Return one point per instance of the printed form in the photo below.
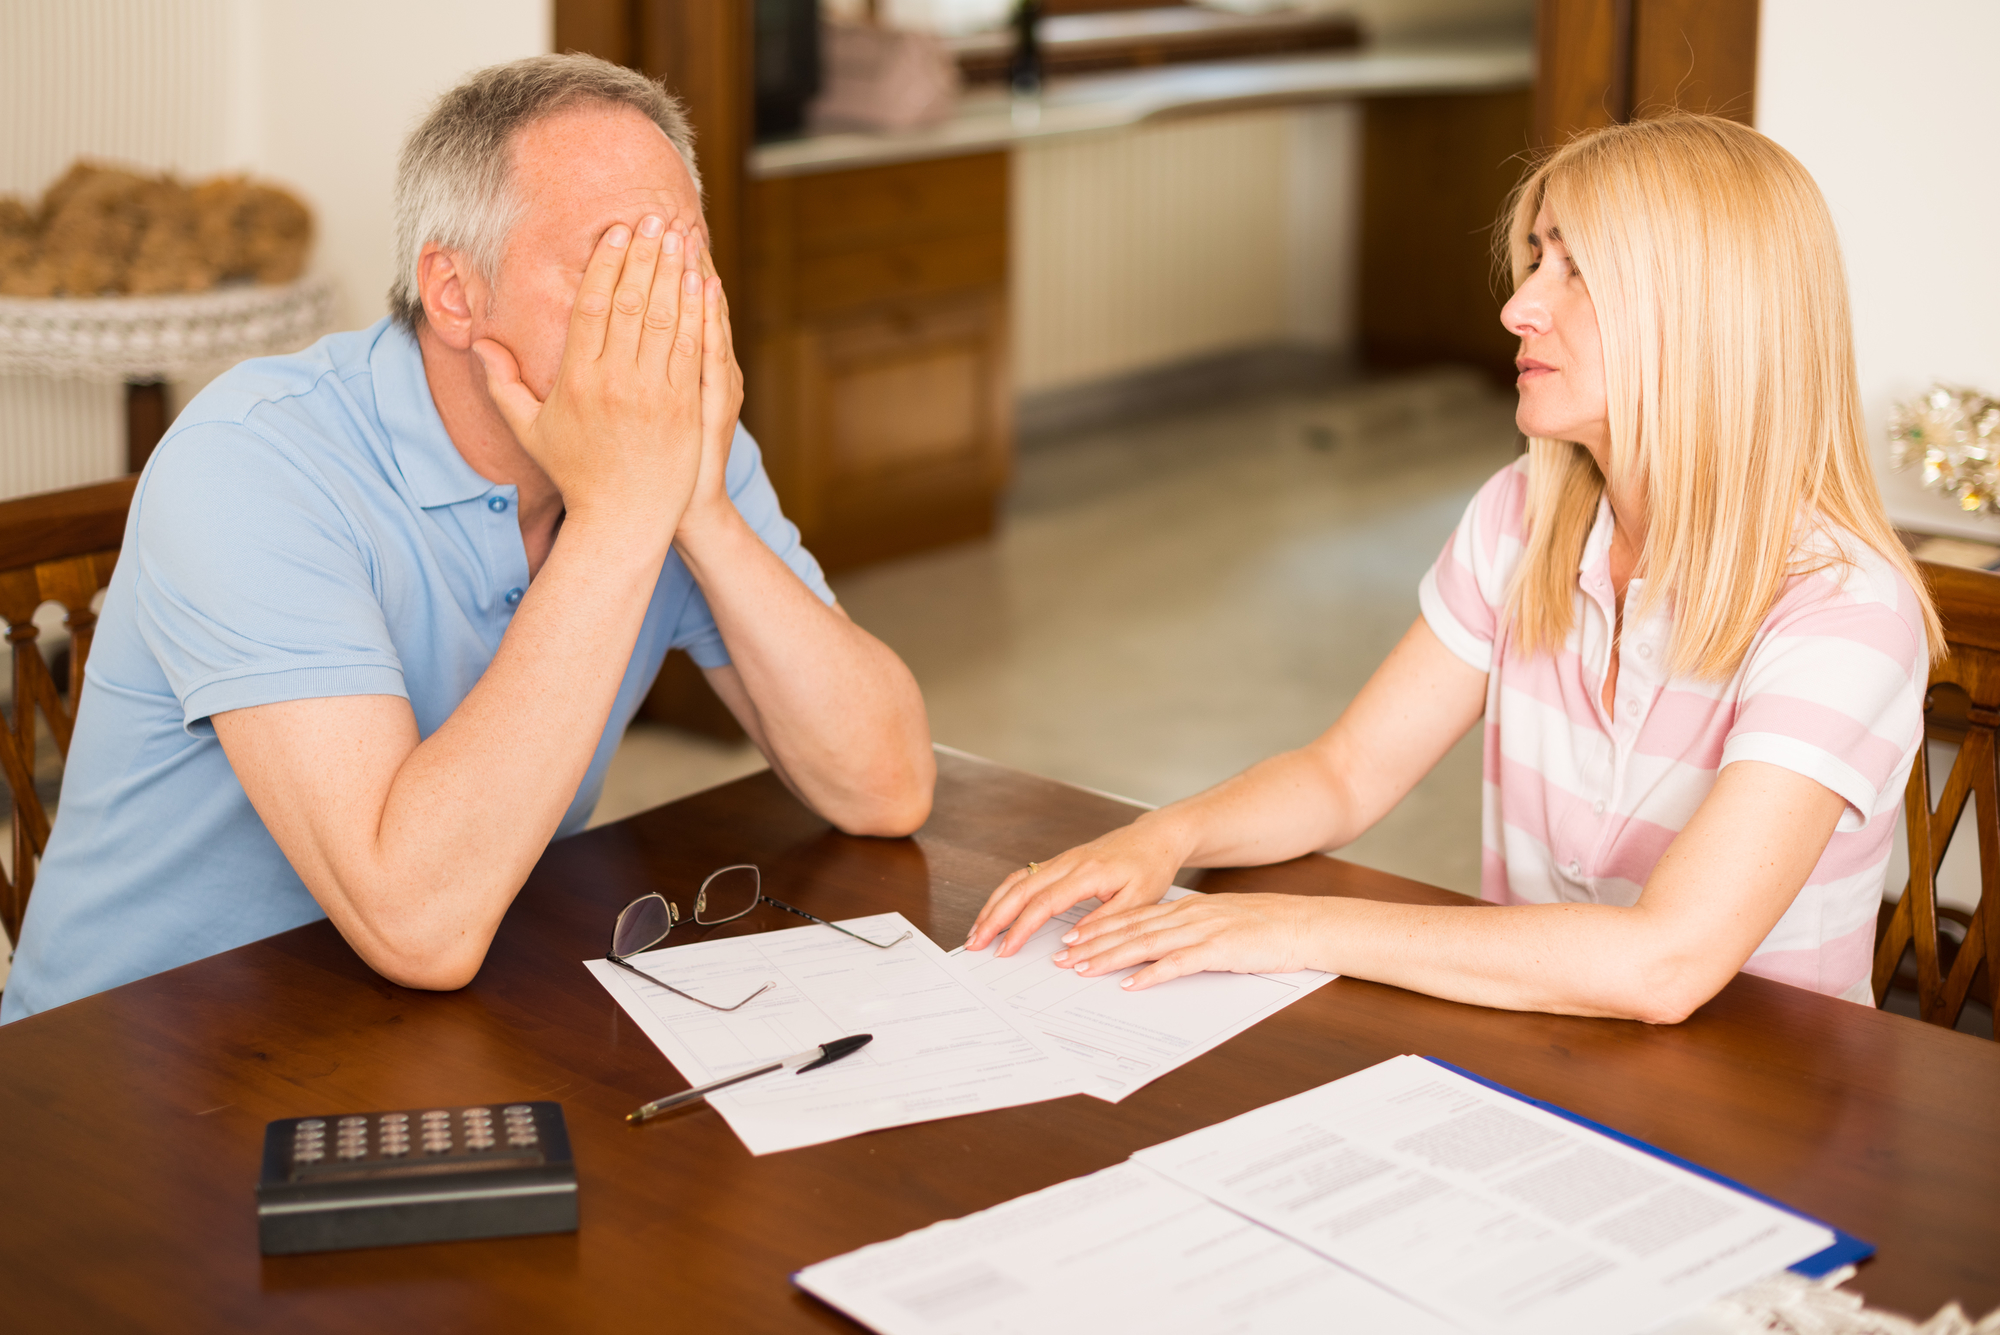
(1127, 1039)
(943, 1045)
(1123, 1249)
(1489, 1211)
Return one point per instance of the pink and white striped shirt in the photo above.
(1579, 805)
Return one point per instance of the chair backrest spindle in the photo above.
(1962, 704)
(61, 548)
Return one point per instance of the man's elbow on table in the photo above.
(443, 966)
(890, 803)
(415, 941)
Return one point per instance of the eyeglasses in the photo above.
(647, 920)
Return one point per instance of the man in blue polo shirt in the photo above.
(386, 606)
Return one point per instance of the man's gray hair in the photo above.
(454, 182)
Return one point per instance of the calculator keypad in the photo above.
(357, 1143)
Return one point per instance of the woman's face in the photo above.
(1561, 363)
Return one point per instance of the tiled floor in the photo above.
(1173, 600)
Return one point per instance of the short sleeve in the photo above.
(757, 501)
(1464, 595)
(251, 587)
(1833, 688)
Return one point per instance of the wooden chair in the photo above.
(59, 547)
(1962, 705)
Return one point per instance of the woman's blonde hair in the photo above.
(1729, 374)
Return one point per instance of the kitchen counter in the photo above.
(988, 119)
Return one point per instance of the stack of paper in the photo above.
(1403, 1198)
(1127, 1039)
(954, 1034)
(944, 1045)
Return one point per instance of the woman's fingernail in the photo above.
(1060, 956)
(652, 225)
(672, 245)
(1126, 983)
(692, 283)
(1083, 967)
(618, 236)
(1069, 938)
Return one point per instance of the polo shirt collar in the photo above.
(436, 472)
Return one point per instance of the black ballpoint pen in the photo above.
(799, 1062)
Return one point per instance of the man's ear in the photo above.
(448, 290)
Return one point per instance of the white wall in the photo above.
(315, 96)
(331, 92)
(1892, 108)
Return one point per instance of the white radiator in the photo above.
(1179, 239)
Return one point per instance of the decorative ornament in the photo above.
(1955, 435)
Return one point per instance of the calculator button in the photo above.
(352, 1151)
(309, 1154)
(346, 1123)
(395, 1119)
(312, 1124)
(395, 1149)
(519, 1110)
(519, 1138)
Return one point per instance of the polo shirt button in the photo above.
(1598, 806)
(497, 504)
(1575, 868)
(1645, 651)
(513, 597)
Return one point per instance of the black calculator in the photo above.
(420, 1175)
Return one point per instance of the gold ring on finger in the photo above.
(1034, 867)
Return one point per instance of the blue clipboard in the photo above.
(1846, 1249)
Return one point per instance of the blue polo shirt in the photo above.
(307, 529)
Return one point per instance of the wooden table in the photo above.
(134, 1119)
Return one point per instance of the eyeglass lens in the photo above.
(644, 924)
(728, 894)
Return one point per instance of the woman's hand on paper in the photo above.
(1125, 869)
(1226, 933)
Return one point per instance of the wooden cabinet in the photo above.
(875, 352)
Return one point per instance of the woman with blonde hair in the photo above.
(1699, 649)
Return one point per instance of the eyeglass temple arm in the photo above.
(879, 945)
(632, 968)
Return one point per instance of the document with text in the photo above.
(1122, 1249)
(944, 1045)
(1488, 1211)
(1126, 1039)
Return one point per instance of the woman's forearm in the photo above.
(1568, 959)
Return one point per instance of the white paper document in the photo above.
(1490, 1212)
(1126, 1039)
(943, 1044)
(1121, 1250)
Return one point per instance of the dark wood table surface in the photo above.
(134, 1119)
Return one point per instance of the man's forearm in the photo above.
(416, 848)
(836, 712)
